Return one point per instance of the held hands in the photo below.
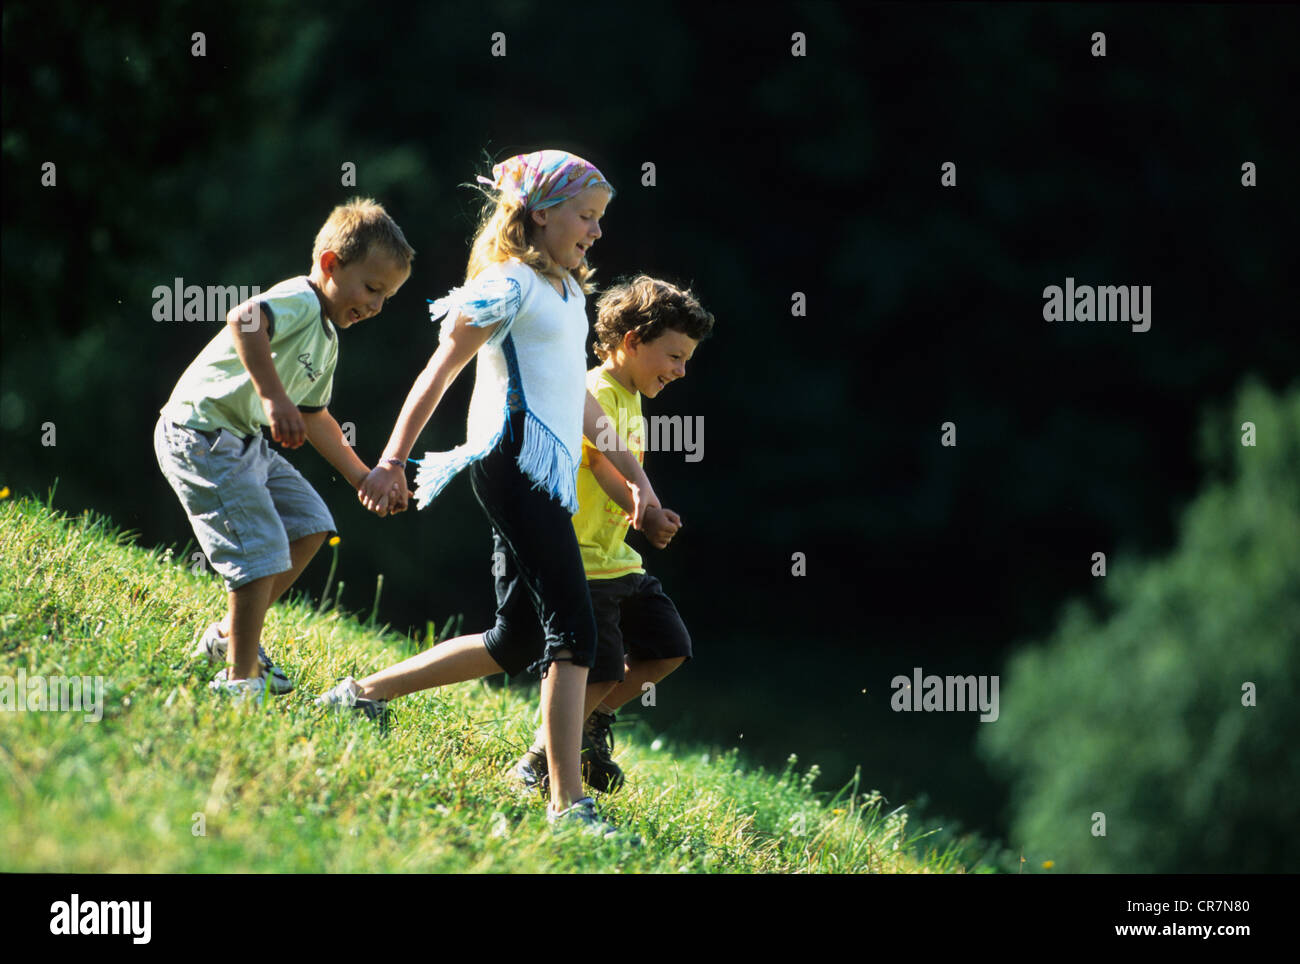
(398, 497)
(660, 525)
(384, 490)
(287, 425)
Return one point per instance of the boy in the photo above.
(256, 518)
(646, 332)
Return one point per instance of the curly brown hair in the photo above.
(647, 307)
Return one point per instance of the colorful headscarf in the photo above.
(543, 179)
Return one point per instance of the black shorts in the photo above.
(634, 618)
(542, 600)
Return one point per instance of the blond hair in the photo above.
(505, 232)
(354, 228)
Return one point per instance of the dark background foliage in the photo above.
(775, 174)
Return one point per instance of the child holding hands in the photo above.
(646, 332)
(256, 518)
(522, 313)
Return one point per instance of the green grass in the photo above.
(290, 788)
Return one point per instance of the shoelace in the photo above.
(602, 735)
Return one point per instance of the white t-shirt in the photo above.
(534, 361)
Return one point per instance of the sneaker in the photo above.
(347, 696)
(214, 646)
(239, 689)
(581, 816)
(598, 767)
(599, 771)
(531, 772)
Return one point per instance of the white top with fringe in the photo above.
(535, 362)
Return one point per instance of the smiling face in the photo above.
(567, 231)
(357, 291)
(647, 367)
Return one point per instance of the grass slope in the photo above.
(290, 788)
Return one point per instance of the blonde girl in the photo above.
(522, 313)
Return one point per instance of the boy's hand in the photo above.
(287, 425)
(660, 525)
(376, 489)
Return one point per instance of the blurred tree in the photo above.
(1142, 715)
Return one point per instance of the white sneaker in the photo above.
(239, 689)
(581, 816)
(347, 696)
(214, 646)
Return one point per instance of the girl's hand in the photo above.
(398, 497)
(642, 500)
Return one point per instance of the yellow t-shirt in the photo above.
(600, 522)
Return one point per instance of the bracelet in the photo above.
(399, 463)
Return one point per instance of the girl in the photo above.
(521, 311)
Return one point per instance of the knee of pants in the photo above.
(514, 647)
(580, 645)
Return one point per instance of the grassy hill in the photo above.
(173, 779)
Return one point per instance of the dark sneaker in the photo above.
(599, 771)
(598, 767)
(346, 696)
(530, 772)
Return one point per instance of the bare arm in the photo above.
(453, 354)
(595, 424)
(612, 482)
(253, 346)
(658, 524)
(326, 437)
